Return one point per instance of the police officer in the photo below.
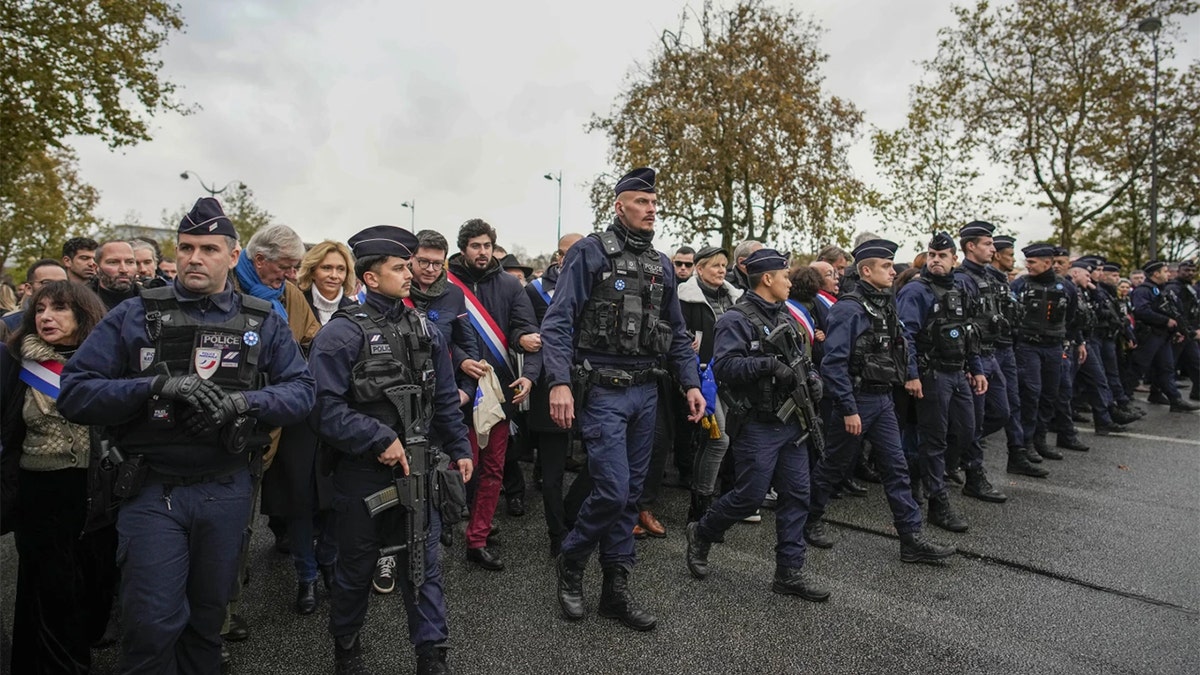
(1156, 329)
(1091, 380)
(1112, 324)
(1040, 348)
(1062, 417)
(865, 357)
(362, 353)
(944, 372)
(1182, 292)
(187, 373)
(757, 375)
(615, 316)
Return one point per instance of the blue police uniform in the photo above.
(1187, 305)
(445, 307)
(865, 358)
(1112, 325)
(1090, 376)
(1153, 359)
(1041, 337)
(1060, 419)
(181, 535)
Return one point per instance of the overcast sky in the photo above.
(336, 112)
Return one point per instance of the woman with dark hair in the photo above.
(64, 576)
(295, 488)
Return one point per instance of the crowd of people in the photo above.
(367, 396)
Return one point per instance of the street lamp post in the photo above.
(1151, 26)
(212, 192)
(558, 179)
(411, 205)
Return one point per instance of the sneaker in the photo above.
(755, 517)
(384, 581)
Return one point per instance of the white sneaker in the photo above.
(756, 517)
(384, 581)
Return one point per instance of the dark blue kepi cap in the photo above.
(638, 180)
(941, 242)
(875, 248)
(1004, 241)
(1085, 264)
(1153, 266)
(207, 217)
(387, 240)
(1039, 251)
(1060, 251)
(976, 228)
(1111, 267)
(765, 260)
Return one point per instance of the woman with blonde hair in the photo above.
(295, 488)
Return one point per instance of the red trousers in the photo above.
(489, 474)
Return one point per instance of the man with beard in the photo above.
(500, 313)
(79, 257)
(116, 273)
(614, 321)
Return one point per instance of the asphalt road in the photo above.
(1094, 570)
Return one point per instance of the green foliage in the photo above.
(42, 205)
(746, 142)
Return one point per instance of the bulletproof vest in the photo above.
(880, 354)
(947, 336)
(396, 360)
(1108, 312)
(225, 353)
(1085, 314)
(1185, 297)
(624, 315)
(992, 323)
(765, 396)
(1043, 309)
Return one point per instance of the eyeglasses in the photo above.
(428, 264)
(681, 263)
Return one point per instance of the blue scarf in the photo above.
(248, 279)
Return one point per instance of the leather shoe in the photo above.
(639, 532)
(980, 488)
(238, 630)
(816, 534)
(916, 548)
(1043, 449)
(306, 597)
(651, 525)
(795, 581)
(617, 602)
(1184, 406)
(942, 514)
(516, 507)
(1019, 464)
(697, 552)
(570, 587)
(433, 662)
(1123, 415)
(1109, 429)
(1071, 443)
(1157, 398)
(485, 558)
(954, 476)
(854, 489)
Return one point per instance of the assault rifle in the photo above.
(799, 401)
(411, 492)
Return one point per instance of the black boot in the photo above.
(698, 507)
(1018, 463)
(1039, 444)
(795, 581)
(1071, 442)
(816, 534)
(570, 587)
(616, 602)
(697, 551)
(980, 488)
(1180, 405)
(348, 656)
(306, 597)
(433, 662)
(916, 548)
(1123, 416)
(942, 514)
(1109, 429)
(1157, 398)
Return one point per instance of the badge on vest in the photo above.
(250, 337)
(205, 360)
(379, 345)
(146, 356)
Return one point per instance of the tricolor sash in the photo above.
(826, 299)
(43, 376)
(546, 295)
(487, 328)
(800, 314)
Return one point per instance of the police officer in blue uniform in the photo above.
(1157, 327)
(757, 377)
(188, 377)
(944, 373)
(865, 358)
(384, 379)
(1090, 378)
(1078, 321)
(1187, 302)
(1112, 324)
(614, 319)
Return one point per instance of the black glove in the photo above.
(210, 407)
(816, 388)
(222, 409)
(783, 374)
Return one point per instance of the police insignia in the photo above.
(1154, 291)
(205, 361)
(1058, 286)
(433, 315)
(954, 333)
(250, 337)
(619, 285)
(147, 357)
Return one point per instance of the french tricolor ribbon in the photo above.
(800, 314)
(43, 376)
(489, 331)
(546, 295)
(826, 298)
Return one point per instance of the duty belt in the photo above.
(621, 379)
(153, 476)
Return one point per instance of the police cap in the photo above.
(941, 242)
(765, 260)
(1039, 251)
(1004, 241)
(638, 180)
(1153, 266)
(386, 240)
(1085, 264)
(875, 248)
(976, 228)
(207, 217)
(1111, 267)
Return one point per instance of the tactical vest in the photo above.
(393, 379)
(226, 354)
(1043, 310)
(1186, 298)
(624, 315)
(1109, 316)
(990, 315)
(1085, 315)
(880, 355)
(764, 396)
(948, 335)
